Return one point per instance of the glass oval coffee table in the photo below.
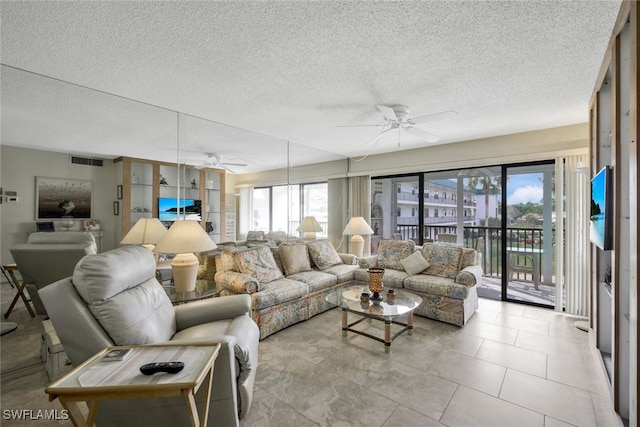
(348, 299)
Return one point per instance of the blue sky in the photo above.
(524, 188)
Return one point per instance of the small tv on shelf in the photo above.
(172, 209)
(602, 209)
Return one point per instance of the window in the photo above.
(282, 207)
(426, 212)
(435, 213)
(413, 211)
(435, 194)
(399, 212)
(444, 195)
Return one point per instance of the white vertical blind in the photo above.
(573, 253)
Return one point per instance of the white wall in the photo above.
(19, 169)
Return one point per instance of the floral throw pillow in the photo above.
(258, 263)
(323, 254)
(444, 261)
(392, 252)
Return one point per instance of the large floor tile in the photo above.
(553, 346)
(474, 373)
(565, 403)
(492, 332)
(521, 359)
(576, 373)
(404, 417)
(471, 408)
(268, 411)
(424, 393)
(540, 327)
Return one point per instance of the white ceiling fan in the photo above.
(218, 161)
(396, 117)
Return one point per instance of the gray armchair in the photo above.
(114, 298)
(47, 257)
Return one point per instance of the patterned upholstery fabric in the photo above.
(392, 278)
(255, 235)
(391, 252)
(316, 280)
(323, 254)
(435, 285)
(469, 257)
(259, 263)
(368, 262)
(277, 292)
(227, 260)
(444, 261)
(239, 283)
(343, 272)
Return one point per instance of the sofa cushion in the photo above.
(469, 257)
(122, 293)
(323, 254)
(444, 261)
(434, 285)
(414, 263)
(295, 258)
(277, 292)
(315, 280)
(392, 252)
(227, 259)
(258, 262)
(255, 235)
(343, 272)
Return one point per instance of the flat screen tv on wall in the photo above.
(170, 209)
(602, 209)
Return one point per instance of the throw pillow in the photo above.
(255, 235)
(391, 252)
(323, 254)
(414, 263)
(295, 259)
(444, 261)
(259, 263)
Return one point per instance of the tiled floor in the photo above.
(511, 365)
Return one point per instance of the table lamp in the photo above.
(356, 227)
(309, 226)
(146, 232)
(183, 239)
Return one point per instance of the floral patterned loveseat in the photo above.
(288, 284)
(444, 276)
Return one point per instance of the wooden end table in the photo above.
(19, 285)
(96, 380)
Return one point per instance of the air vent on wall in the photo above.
(86, 161)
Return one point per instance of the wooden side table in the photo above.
(96, 380)
(19, 285)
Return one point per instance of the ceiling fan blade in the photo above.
(419, 133)
(388, 113)
(233, 164)
(378, 136)
(358, 126)
(433, 117)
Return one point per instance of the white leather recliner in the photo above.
(114, 298)
(48, 257)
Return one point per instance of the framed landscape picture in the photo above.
(61, 197)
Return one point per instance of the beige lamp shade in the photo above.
(309, 226)
(183, 239)
(146, 232)
(356, 227)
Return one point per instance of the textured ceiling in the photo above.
(292, 71)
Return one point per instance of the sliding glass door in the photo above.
(529, 233)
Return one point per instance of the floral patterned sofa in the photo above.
(288, 284)
(444, 276)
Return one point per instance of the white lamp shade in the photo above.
(147, 231)
(309, 224)
(357, 225)
(183, 237)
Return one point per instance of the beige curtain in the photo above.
(572, 256)
(360, 204)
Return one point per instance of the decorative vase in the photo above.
(375, 281)
(67, 222)
(391, 296)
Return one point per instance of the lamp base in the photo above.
(185, 272)
(357, 245)
(311, 235)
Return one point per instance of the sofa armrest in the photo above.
(238, 283)
(212, 309)
(348, 259)
(469, 276)
(368, 261)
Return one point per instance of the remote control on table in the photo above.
(169, 367)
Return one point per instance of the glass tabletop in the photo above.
(204, 289)
(349, 298)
